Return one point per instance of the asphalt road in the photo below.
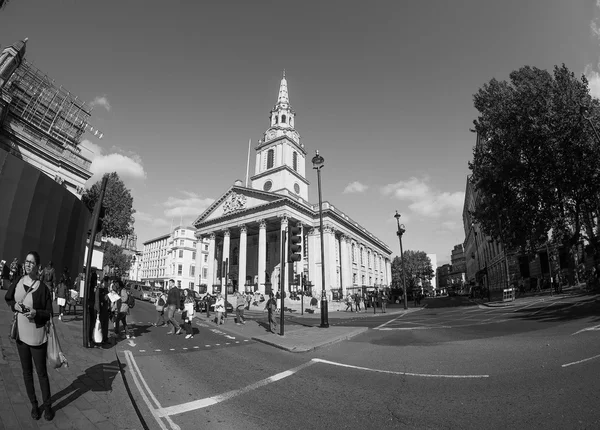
(451, 365)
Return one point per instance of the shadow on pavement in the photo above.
(562, 311)
(99, 377)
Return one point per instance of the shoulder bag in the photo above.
(14, 325)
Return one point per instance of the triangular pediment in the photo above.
(237, 199)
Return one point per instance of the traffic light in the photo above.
(294, 244)
(100, 219)
(296, 279)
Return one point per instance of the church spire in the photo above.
(283, 97)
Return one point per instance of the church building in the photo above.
(246, 225)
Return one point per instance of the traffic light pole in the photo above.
(88, 290)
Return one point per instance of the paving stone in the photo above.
(23, 414)
(94, 416)
(82, 404)
(9, 420)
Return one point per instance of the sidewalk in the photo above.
(301, 332)
(89, 394)
(544, 294)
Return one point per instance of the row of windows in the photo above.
(162, 262)
(373, 261)
(271, 159)
(283, 120)
(161, 272)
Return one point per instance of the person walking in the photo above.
(207, 303)
(357, 302)
(374, 301)
(121, 309)
(102, 307)
(271, 307)
(160, 306)
(239, 309)
(384, 300)
(349, 303)
(61, 299)
(220, 309)
(173, 303)
(31, 299)
(189, 305)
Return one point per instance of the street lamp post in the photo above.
(318, 163)
(401, 230)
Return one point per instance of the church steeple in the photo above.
(280, 157)
(283, 98)
(10, 59)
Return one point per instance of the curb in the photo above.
(308, 348)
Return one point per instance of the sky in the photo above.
(383, 89)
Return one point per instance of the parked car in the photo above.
(156, 292)
(201, 303)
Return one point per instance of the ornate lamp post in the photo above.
(401, 230)
(318, 163)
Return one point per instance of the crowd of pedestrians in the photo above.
(377, 298)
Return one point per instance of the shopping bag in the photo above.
(98, 331)
(56, 358)
(14, 328)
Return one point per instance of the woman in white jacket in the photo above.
(220, 309)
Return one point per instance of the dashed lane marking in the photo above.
(593, 328)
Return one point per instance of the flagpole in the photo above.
(248, 162)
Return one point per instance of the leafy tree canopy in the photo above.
(118, 219)
(536, 167)
(417, 269)
(115, 258)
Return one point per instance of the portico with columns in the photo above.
(247, 224)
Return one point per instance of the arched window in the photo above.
(353, 253)
(295, 160)
(270, 158)
(283, 119)
(276, 119)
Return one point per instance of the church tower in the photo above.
(10, 59)
(280, 157)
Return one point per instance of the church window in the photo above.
(297, 188)
(295, 160)
(276, 119)
(283, 119)
(267, 185)
(270, 158)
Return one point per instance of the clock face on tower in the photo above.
(267, 186)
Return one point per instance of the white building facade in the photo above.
(246, 225)
(176, 256)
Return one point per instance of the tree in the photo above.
(417, 269)
(536, 167)
(115, 258)
(118, 218)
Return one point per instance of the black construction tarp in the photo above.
(37, 213)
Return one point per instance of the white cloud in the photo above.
(127, 165)
(101, 101)
(424, 200)
(593, 78)
(146, 218)
(189, 206)
(355, 187)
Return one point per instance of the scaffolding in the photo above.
(52, 110)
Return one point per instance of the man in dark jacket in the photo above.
(173, 303)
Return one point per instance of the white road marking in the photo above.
(580, 361)
(390, 321)
(142, 350)
(131, 343)
(596, 327)
(413, 328)
(137, 377)
(544, 308)
(209, 401)
(426, 375)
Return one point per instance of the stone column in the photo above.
(210, 280)
(284, 274)
(226, 242)
(346, 280)
(242, 258)
(314, 256)
(262, 254)
(330, 260)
